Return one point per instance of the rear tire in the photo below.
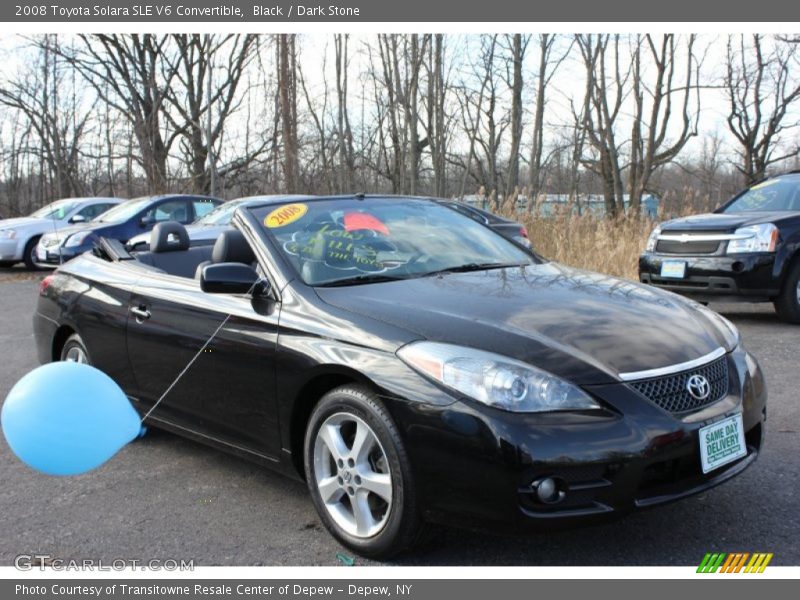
(29, 256)
(74, 350)
(787, 304)
(359, 474)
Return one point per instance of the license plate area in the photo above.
(722, 443)
(673, 269)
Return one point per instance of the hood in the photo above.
(581, 326)
(65, 232)
(29, 224)
(724, 222)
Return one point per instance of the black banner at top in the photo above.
(199, 11)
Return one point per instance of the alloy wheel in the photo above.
(352, 475)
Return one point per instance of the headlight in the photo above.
(76, 239)
(493, 379)
(760, 238)
(8, 234)
(651, 241)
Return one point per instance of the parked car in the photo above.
(19, 236)
(513, 230)
(414, 366)
(121, 223)
(206, 229)
(748, 250)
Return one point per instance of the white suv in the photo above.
(18, 237)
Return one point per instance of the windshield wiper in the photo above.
(359, 279)
(475, 267)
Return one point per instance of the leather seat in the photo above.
(170, 250)
(231, 246)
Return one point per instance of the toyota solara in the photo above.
(414, 367)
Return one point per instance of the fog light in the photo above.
(549, 490)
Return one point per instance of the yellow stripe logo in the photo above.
(735, 562)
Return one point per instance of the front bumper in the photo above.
(10, 250)
(736, 277)
(52, 257)
(475, 465)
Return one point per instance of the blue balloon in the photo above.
(66, 418)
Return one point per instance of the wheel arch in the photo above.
(308, 396)
(59, 339)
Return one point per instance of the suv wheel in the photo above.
(787, 304)
(359, 474)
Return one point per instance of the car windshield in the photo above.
(123, 212)
(347, 241)
(56, 210)
(781, 193)
(221, 215)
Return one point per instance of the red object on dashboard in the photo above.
(353, 221)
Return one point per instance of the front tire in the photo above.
(359, 474)
(29, 256)
(787, 304)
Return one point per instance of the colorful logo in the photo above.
(736, 562)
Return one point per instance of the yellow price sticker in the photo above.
(283, 215)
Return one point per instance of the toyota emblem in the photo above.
(698, 387)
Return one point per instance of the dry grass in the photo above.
(599, 244)
(587, 241)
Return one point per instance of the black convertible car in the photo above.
(414, 366)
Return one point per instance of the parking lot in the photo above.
(168, 498)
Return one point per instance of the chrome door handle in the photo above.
(141, 313)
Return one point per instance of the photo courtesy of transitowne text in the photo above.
(373, 300)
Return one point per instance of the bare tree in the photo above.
(344, 133)
(548, 66)
(761, 91)
(133, 74)
(517, 48)
(606, 83)
(287, 93)
(650, 148)
(47, 100)
(438, 121)
(202, 103)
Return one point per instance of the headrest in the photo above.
(231, 246)
(169, 236)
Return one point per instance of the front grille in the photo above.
(670, 393)
(690, 247)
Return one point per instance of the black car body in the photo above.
(122, 223)
(747, 250)
(608, 424)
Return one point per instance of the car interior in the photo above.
(171, 253)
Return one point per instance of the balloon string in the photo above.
(194, 358)
(186, 368)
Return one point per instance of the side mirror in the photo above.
(77, 219)
(232, 278)
(146, 221)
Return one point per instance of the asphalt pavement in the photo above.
(165, 497)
